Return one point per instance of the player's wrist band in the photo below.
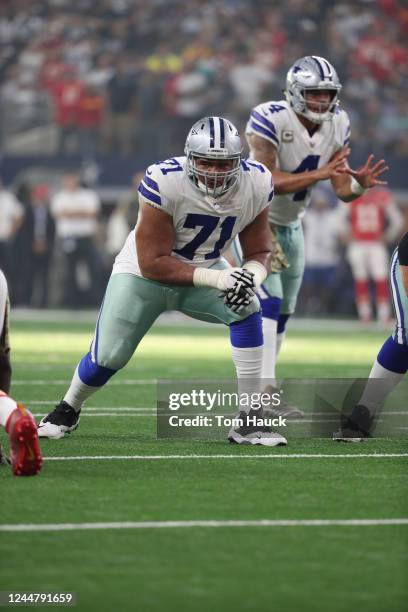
(258, 270)
(203, 277)
(356, 188)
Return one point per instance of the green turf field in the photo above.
(160, 561)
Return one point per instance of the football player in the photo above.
(374, 221)
(191, 208)
(392, 361)
(301, 140)
(25, 456)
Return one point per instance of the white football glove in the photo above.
(222, 279)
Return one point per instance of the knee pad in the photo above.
(248, 332)
(393, 356)
(93, 374)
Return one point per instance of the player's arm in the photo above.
(403, 261)
(285, 182)
(350, 184)
(154, 244)
(255, 240)
(155, 237)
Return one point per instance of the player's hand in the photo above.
(336, 166)
(235, 278)
(238, 301)
(367, 175)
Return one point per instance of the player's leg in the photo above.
(5, 365)
(130, 307)
(388, 369)
(246, 347)
(378, 263)
(358, 256)
(19, 423)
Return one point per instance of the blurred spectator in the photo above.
(41, 241)
(67, 94)
(11, 217)
(91, 109)
(121, 120)
(76, 212)
(322, 233)
(374, 223)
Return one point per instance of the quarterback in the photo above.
(25, 456)
(191, 208)
(301, 140)
(391, 364)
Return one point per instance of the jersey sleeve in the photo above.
(403, 251)
(156, 190)
(346, 129)
(261, 123)
(264, 189)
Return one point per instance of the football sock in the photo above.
(88, 378)
(388, 370)
(246, 341)
(281, 332)
(270, 349)
(279, 341)
(7, 406)
(270, 315)
(5, 370)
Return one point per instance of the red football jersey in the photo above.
(368, 214)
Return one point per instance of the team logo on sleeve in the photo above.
(287, 136)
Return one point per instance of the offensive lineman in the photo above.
(391, 364)
(301, 140)
(18, 422)
(191, 208)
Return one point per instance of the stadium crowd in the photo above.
(120, 75)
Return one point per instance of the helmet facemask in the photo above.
(213, 184)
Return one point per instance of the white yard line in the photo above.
(246, 456)
(211, 524)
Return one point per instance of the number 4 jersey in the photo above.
(297, 150)
(204, 226)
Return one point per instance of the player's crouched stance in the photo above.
(192, 207)
(391, 364)
(25, 456)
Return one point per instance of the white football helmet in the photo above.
(213, 138)
(312, 73)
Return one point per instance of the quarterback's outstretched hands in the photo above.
(367, 175)
(336, 166)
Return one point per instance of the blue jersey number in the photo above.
(208, 224)
(174, 166)
(309, 163)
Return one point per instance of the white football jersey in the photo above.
(297, 150)
(204, 226)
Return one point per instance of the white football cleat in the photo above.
(252, 430)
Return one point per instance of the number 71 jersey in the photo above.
(204, 226)
(297, 150)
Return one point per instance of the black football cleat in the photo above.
(63, 419)
(357, 427)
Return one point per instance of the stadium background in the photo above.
(108, 88)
